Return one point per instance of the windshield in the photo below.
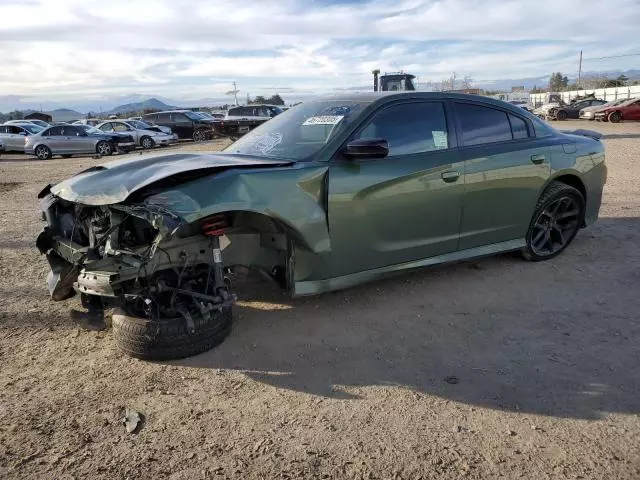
(90, 129)
(299, 132)
(137, 124)
(32, 128)
(193, 116)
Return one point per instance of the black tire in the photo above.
(615, 117)
(561, 115)
(43, 152)
(104, 148)
(147, 142)
(199, 136)
(168, 339)
(66, 155)
(566, 228)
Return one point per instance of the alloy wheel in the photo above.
(104, 149)
(556, 226)
(43, 153)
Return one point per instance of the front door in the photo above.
(182, 125)
(401, 208)
(505, 169)
(76, 140)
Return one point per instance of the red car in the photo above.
(629, 110)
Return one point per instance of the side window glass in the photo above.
(179, 117)
(519, 127)
(482, 125)
(3, 129)
(120, 127)
(55, 132)
(164, 117)
(410, 128)
(107, 127)
(14, 130)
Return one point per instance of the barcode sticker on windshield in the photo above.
(440, 138)
(324, 120)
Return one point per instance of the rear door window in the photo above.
(480, 124)
(519, 127)
(164, 117)
(120, 127)
(54, 132)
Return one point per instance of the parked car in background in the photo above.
(134, 118)
(523, 105)
(88, 121)
(242, 119)
(333, 193)
(14, 135)
(123, 141)
(629, 110)
(589, 113)
(40, 123)
(572, 110)
(142, 135)
(156, 128)
(68, 140)
(2, 150)
(184, 123)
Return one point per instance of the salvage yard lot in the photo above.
(484, 369)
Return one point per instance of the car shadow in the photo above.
(555, 338)
(620, 136)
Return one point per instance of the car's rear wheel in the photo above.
(558, 216)
(199, 136)
(104, 149)
(43, 152)
(147, 142)
(615, 117)
(561, 115)
(167, 339)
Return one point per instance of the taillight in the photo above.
(214, 226)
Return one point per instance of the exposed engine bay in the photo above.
(148, 260)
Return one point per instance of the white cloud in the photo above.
(189, 48)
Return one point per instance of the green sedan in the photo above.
(327, 195)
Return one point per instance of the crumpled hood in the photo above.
(113, 182)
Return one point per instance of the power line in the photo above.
(614, 56)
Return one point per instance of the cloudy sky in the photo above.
(192, 49)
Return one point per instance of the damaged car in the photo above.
(327, 195)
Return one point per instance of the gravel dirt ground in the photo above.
(355, 384)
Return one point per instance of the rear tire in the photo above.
(43, 152)
(615, 117)
(104, 149)
(167, 339)
(561, 115)
(199, 136)
(558, 216)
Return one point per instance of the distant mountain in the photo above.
(151, 103)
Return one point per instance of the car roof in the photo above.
(384, 97)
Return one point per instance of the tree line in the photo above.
(558, 82)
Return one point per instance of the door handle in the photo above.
(537, 159)
(450, 176)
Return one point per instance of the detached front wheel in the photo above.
(170, 338)
(558, 216)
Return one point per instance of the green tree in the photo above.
(558, 82)
(275, 100)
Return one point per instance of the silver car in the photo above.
(145, 135)
(68, 140)
(14, 136)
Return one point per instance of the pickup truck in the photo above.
(240, 120)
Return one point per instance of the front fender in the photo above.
(293, 196)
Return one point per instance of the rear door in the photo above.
(505, 168)
(14, 138)
(54, 139)
(74, 140)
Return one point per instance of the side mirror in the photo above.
(24, 134)
(367, 148)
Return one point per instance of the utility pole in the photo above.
(580, 70)
(234, 92)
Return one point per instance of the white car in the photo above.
(145, 135)
(40, 123)
(253, 112)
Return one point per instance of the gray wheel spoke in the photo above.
(558, 231)
(539, 236)
(568, 214)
